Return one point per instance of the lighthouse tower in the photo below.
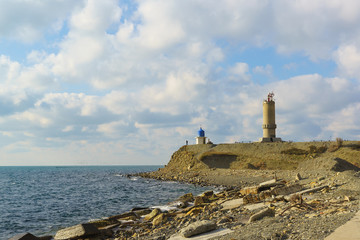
(269, 124)
(201, 137)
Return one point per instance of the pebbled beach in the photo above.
(297, 205)
(318, 215)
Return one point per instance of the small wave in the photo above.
(59, 194)
(171, 206)
(165, 208)
(171, 182)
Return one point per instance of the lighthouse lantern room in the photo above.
(200, 139)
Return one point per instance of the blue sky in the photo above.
(127, 82)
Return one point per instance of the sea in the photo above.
(42, 200)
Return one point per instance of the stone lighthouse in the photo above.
(269, 124)
(200, 139)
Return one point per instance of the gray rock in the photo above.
(286, 190)
(74, 232)
(197, 228)
(269, 212)
(24, 236)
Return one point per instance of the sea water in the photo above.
(42, 200)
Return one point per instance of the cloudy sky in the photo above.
(127, 82)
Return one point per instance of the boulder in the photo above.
(231, 204)
(269, 212)
(159, 219)
(208, 193)
(152, 215)
(198, 228)
(285, 190)
(188, 197)
(48, 237)
(78, 231)
(24, 236)
(200, 200)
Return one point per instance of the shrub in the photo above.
(355, 147)
(339, 142)
(334, 147)
(260, 165)
(314, 149)
(321, 149)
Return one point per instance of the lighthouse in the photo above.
(200, 139)
(269, 125)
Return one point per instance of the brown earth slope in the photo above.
(280, 155)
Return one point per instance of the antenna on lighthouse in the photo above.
(271, 96)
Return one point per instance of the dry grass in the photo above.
(295, 151)
(277, 155)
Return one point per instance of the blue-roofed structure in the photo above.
(201, 139)
(201, 132)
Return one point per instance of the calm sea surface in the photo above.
(42, 200)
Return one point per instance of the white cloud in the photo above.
(105, 82)
(115, 129)
(9, 70)
(28, 21)
(240, 72)
(348, 60)
(264, 70)
(68, 128)
(95, 17)
(159, 29)
(346, 121)
(175, 95)
(301, 102)
(32, 117)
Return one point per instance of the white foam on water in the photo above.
(172, 206)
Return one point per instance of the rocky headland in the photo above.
(264, 191)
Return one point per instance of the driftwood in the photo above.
(300, 204)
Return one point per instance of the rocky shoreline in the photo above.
(253, 204)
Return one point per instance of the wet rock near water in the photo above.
(24, 236)
(76, 232)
